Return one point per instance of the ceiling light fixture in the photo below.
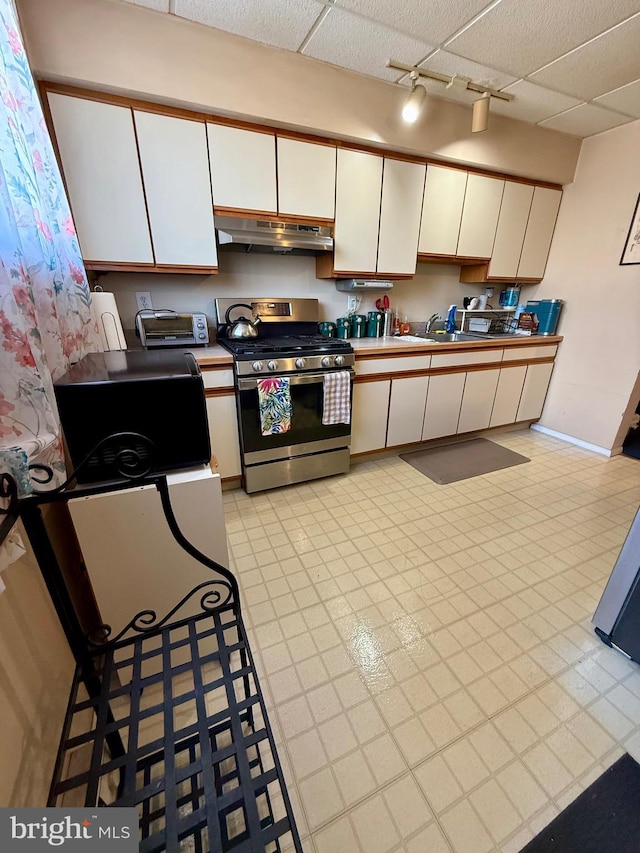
(413, 105)
(480, 115)
(411, 109)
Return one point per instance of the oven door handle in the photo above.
(247, 383)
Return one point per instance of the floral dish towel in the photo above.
(274, 399)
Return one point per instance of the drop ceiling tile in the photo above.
(281, 23)
(625, 100)
(585, 120)
(362, 45)
(521, 36)
(606, 63)
(159, 5)
(532, 103)
(434, 21)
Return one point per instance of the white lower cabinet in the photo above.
(442, 411)
(477, 399)
(534, 391)
(223, 430)
(369, 415)
(507, 400)
(406, 410)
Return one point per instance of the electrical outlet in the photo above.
(352, 303)
(489, 291)
(143, 298)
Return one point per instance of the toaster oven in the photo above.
(170, 329)
(126, 414)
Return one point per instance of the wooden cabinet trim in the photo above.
(325, 270)
(207, 368)
(119, 100)
(179, 112)
(115, 266)
(244, 213)
(283, 133)
(270, 216)
(458, 260)
(219, 392)
(441, 371)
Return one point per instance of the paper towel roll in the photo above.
(105, 313)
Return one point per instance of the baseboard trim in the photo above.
(573, 440)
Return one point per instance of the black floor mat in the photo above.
(604, 819)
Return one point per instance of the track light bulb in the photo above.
(413, 104)
(480, 117)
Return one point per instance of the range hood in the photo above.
(262, 235)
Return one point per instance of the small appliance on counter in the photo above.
(141, 411)
(171, 329)
(547, 312)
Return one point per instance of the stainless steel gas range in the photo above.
(294, 391)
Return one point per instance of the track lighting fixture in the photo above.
(480, 115)
(413, 104)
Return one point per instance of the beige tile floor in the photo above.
(426, 651)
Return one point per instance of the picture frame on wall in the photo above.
(631, 252)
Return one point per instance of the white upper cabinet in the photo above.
(402, 192)
(479, 216)
(512, 224)
(306, 179)
(358, 191)
(442, 211)
(97, 146)
(537, 241)
(175, 170)
(243, 169)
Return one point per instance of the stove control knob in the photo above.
(257, 366)
(300, 363)
(272, 365)
(201, 335)
(339, 360)
(326, 361)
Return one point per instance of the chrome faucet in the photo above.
(432, 319)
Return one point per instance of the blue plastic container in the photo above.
(548, 312)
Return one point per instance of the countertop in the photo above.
(365, 347)
(217, 356)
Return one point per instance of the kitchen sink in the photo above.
(451, 337)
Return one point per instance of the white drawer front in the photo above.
(522, 353)
(457, 359)
(393, 365)
(217, 378)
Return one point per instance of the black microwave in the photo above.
(130, 413)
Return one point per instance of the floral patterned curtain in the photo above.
(45, 302)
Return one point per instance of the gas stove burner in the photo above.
(291, 345)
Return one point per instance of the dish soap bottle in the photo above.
(450, 325)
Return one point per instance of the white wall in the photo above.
(434, 288)
(599, 359)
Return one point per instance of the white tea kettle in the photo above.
(241, 328)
